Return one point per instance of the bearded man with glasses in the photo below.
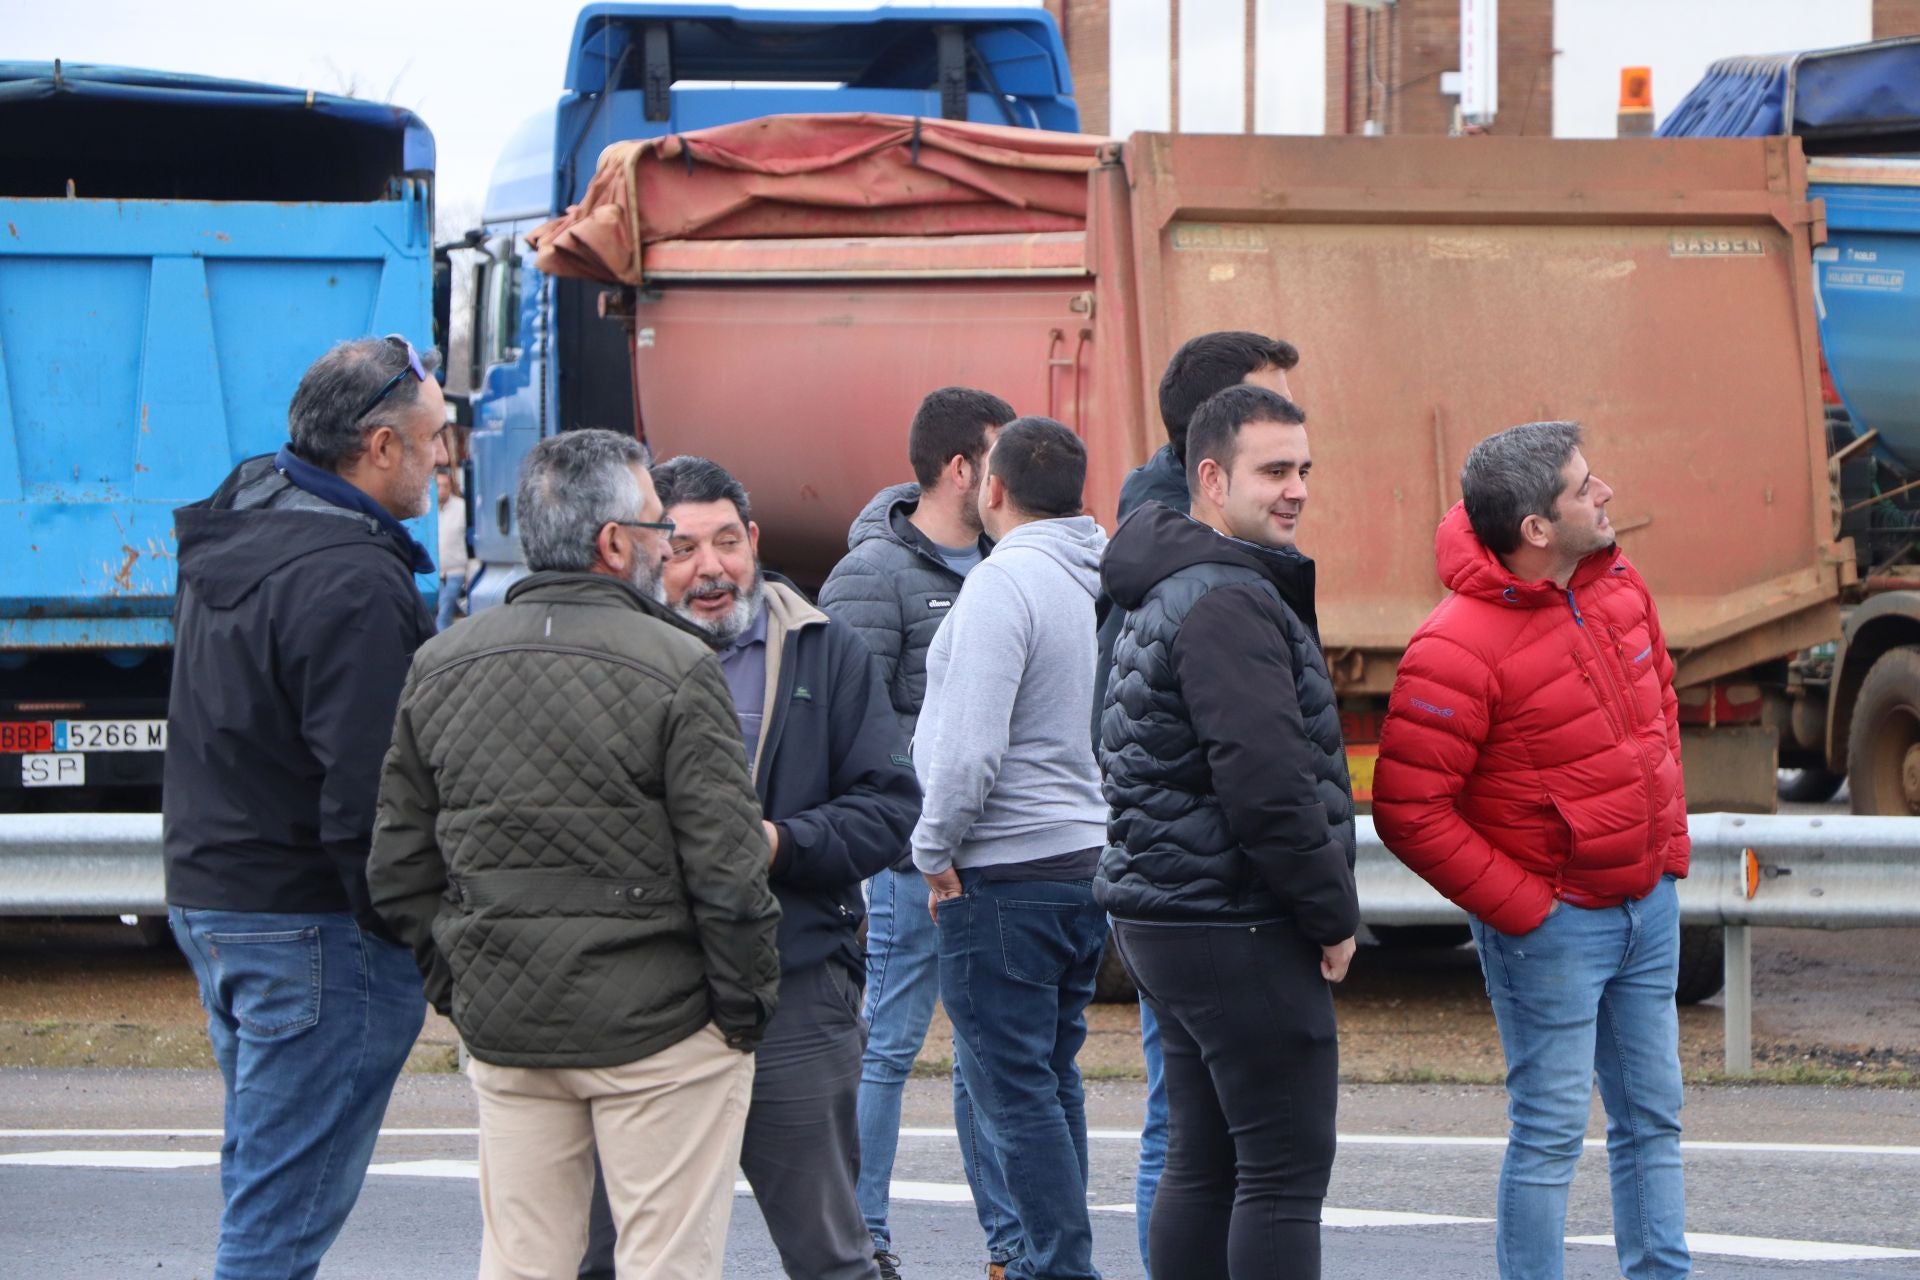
(296, 616)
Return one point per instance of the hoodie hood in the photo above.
(1156, 542)
(1468, 568)
(256, 523)
(1075, 544)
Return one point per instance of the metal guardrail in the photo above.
(1798, 872)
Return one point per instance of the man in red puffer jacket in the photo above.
(1530, 771)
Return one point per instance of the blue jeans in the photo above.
(1018, 960)
(1153, 1135)
(903, 981)
(452, 587)
(311, 1020)
(1591, 992)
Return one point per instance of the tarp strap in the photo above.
(913, 148)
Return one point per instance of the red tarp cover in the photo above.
(818, 175)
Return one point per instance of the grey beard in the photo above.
(645, 578)
(746, 607)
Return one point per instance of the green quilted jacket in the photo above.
(567, 836)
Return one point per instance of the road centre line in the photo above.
(1108, 1135)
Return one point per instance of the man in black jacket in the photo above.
(909, 552)
(840, 799)
(1201, 367)
(1230, 872)
(296, 617)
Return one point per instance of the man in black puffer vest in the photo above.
(1230, 868)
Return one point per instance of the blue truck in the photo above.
(544, 357)
(174, 252)
(1854, 710)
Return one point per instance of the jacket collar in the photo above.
(1156, 542)
(550, 587)
(1468, 568)
(327, 486)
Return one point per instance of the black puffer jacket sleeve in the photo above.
(864, 592)
(875, 796)
(1235, 673)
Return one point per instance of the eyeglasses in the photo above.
(665, 527)
(414, 367)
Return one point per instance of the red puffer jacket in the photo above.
(1532, 744)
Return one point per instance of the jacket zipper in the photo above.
(1609, 697)
(1639, 751)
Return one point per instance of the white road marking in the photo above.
(114, 1159)
(1774, 1250)
(1106, 1135)
(428, 1168)
(1332, 1217)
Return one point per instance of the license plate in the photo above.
(109, 735)
(26, 735)
(53, 771)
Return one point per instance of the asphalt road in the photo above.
(1802, 1181)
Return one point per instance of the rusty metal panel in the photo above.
(805, 390)
(1442, 289)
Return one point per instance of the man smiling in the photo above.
(829, 764)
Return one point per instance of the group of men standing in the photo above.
(629, 823)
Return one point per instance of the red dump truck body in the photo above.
(1438, 289)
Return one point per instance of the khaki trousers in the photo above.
(668, 1130)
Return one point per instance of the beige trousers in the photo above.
(668, 1130)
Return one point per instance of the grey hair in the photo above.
(325, 424)
(571, 485)
(1513, 475)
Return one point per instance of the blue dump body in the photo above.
(544, 360)
(1857, 111)
(174, 252)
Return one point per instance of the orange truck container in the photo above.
(795, 285)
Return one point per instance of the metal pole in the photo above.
(1739, 1020)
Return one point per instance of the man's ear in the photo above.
(605, 545)
(996, 491)
(383, 446)
(753, 537)
(1536, 531)
(1213, 481)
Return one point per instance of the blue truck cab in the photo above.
(174, 252)
(544, 360)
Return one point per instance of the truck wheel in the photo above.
(1703, 962)
(1112, 985)
(1407, 937)
(1809, 786)
(1883, 747)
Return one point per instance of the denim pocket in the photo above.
(272, 980)
(1036, 939)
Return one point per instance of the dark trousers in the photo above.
(1252, 1066)
(801, 1154)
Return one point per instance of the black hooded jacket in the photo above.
(1220, 737)
(293, 627)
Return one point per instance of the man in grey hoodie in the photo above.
(1011, 831)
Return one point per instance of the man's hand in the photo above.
(940, 887)
(1335, 959)
(773, 840)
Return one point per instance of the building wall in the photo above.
(1414, 41)
(1895, 18)
(1085, 25)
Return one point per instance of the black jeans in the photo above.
(1252, 1072)
(801, 1153)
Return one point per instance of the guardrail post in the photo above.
(1739, 1019)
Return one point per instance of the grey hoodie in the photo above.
(1002, 750)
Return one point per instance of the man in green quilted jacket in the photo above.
(569, 841)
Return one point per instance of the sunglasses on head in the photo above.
(414, 367)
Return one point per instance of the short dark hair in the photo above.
(1043, 465)
(689, 478)
(952, 420)
(1513, 475)
(328, 420)
(1209, 364)
(1215, 430)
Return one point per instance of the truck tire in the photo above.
(1809, 786)
(1408, 937)
(1112, 985)
(1703, 963)
(1883, 747)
